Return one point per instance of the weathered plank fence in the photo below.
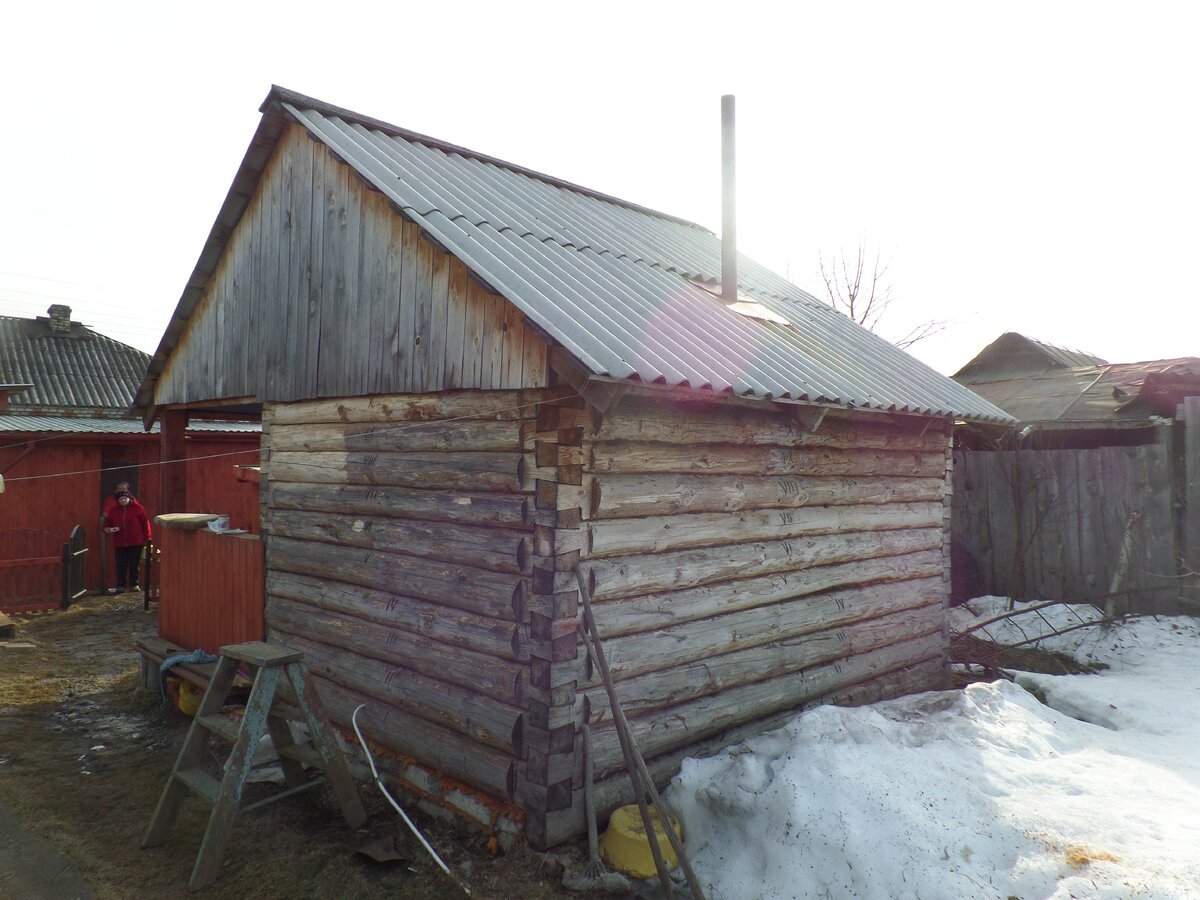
(1071, 524)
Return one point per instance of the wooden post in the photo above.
(1191, 483)
(174, 474)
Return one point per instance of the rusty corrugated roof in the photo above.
(1114, 393)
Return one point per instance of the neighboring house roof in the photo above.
(70, 366)
(1113, 394)
(630, 293)
(107, 425)
(1014, 354)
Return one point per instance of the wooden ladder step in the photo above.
(218, 724)
(200, 783)
(302, 753)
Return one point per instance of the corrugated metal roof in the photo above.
(629, 292)
(87, 425)
(616, 284)
(79, 369)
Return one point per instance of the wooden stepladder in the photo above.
(264, 713)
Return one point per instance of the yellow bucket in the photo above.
(625, 847)
(189, 698)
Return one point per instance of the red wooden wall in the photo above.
(53, 483)
(210, 588)
(30, 571)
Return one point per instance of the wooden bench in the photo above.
(154, 650)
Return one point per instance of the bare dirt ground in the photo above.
(85, 751)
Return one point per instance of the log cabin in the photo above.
(485, 390)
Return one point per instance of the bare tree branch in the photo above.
(857, 286)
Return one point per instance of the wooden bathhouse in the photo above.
(484, 390)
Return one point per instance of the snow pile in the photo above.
(981, 793)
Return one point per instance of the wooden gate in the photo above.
(74, 556)
(31, 571)
(1069, 524)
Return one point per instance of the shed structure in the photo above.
(68, 434)
(484, 390)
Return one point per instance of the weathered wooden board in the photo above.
(726, 459)
(481, 634)
(664, 686)
(429, 471)
(612, 537)
(494, 594)
(510, 510)
(465, 668)
(459, 435)
(630, 615)
(643, 419)
(634, 495)
(439, 748)
(324, 279)
(631, 575)
(415, 407)
(460, 709)
(1190, 448)
(497, 549)
(1050, 524)
(704, 639)
(692, 721)
(615, 790)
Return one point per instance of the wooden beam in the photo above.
(601, 395)
(174, 468)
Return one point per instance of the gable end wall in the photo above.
(324, 290)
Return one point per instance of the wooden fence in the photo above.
(210, 588)
(30, 571)
(1069, 524)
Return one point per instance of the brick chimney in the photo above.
(60, 319)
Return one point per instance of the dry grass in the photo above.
(993, 660)
(1078, 857)
(85, 751)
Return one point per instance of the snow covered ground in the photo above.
(983, 793)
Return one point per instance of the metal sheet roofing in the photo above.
(629, 292)
(27, 424)
(68, 370)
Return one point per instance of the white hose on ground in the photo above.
(396, 806)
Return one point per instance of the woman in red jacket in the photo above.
(129, 526)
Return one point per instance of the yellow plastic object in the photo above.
(624, 846)
(189, 698)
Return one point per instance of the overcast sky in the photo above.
(1030, 167)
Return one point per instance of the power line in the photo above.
(72, 283)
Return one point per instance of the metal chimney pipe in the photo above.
(728, 206)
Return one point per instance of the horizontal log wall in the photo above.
(325, 290)
(401, 561)
(743, 567)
